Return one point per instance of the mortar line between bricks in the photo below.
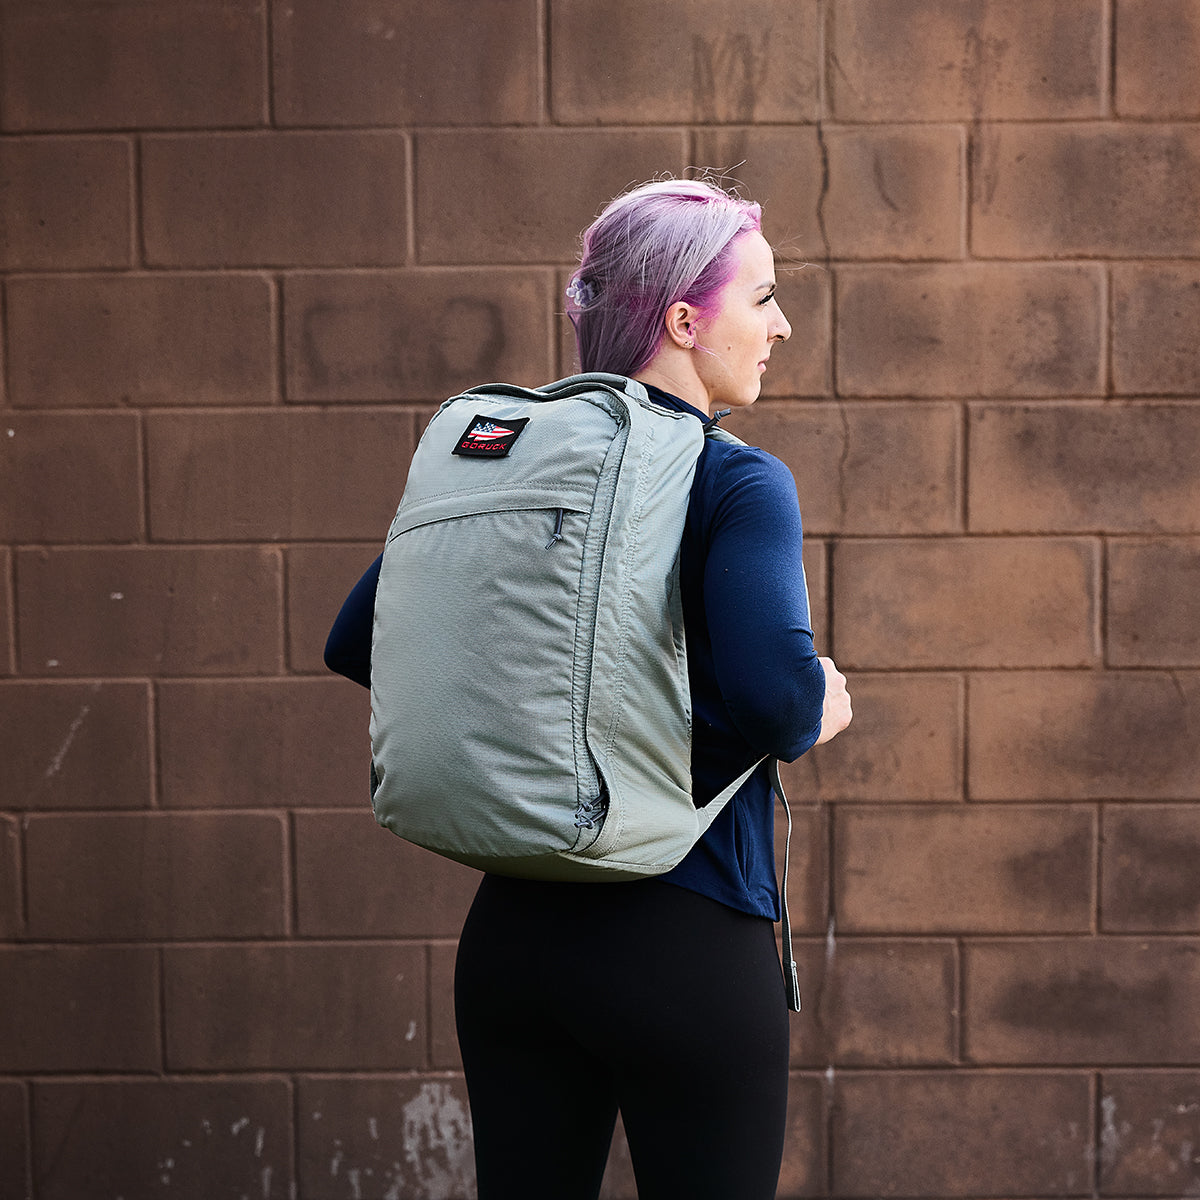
(268, 28)
(545, 66)
(137, 234)
(1108, 30)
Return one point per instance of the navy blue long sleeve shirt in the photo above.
(756, 684)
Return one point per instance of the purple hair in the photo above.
(652, 247)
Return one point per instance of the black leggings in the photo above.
(576, 1000)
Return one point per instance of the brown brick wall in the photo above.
(245, 248)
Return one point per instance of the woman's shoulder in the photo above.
(734, 465)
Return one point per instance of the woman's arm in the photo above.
(348, 647)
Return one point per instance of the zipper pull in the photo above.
(557, 529)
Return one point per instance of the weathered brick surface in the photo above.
(195, 1139)
(1058, 191)
(1083, 735)
(698, 62)
(356, 879)
(109, 340)
(69, 1008)
(275, 476)
(885, 1003)
(443, 1040)
(843, 458)
(1154, 602)
(149, 611)
(1150, 1133)
(6, 610)
(14, 1116)
(275, 199)
(973, 329)
(906, 743)
(247, 248)
(401, 1136)
(937, 1133)
(923, 60)
(268, 744)
(1065, 467)
(75, 745)
(66, 478)
(163, 65)
(804, 1148)
(1158, 42)
(985, 869)
(414, 335)
(934, 603)
(1156, 311)
(321, 1007)
(155, 876)
(11, 891)
(382, 62)
(1101, 1000)
(565, 177)
(1148, 870)
(66, 203)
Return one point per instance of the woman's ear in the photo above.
(680, 322)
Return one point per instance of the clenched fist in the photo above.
(836, 714)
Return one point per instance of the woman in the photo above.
(662, 999)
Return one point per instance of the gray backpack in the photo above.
(530, 710)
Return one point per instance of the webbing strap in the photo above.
(710, 812)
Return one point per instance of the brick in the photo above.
(1154, 603)
(1095, 1000)
(780, 168)
(929, 60)
(844, 459)
(355, 879)
(443, 1037)
(905, 743)
(125, 65)
(1083, 736)
(308, 199)
(1156, 311)
(619, 1182)
(1148, 869)
(975, 329)
(386, 62)
(1091, 190)
(319, 579)
(805, 1144)
(932, 602)
(545, 186)
(149, 611)
(79, 1009)
(14, 1149)
(808, 873)
(813, 1029)
(950, 870)
(700, 62)
(414, 335)
(816, 575)
(11, 889)
(406, 1137)
(75, 745)
(1121, 468)
(1150, 1132)
(155, 876)
(1158, 44)
(890, 192)
(275, 476)
(886, 1003)
(67, 478)
(6, 613)
(138, 1138)
(267, 744)
(309, 1007)
(942, 1133)
(65, 203)
(105, 341)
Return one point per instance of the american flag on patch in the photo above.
(489, 431)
